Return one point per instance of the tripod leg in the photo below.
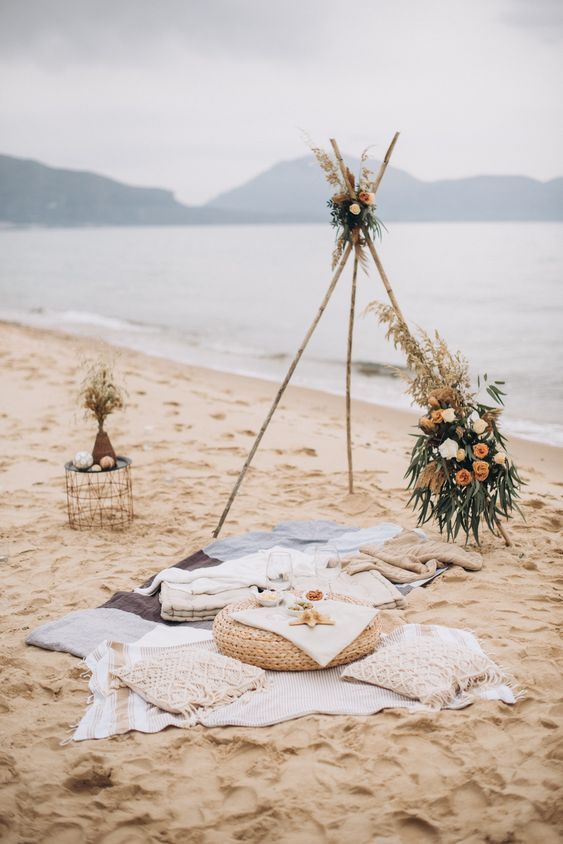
(503, 532)
(349, 378)
(283, 386)
(383, 274)
(384, 163)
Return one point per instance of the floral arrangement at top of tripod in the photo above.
(352, 207)
(459, 471)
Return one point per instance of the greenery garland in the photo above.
(459, 472)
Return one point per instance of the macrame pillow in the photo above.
(427, 669)
(185, 679)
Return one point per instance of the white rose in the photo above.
(479, 426)
(460, 456)
(500, 457)
(355, 208)
(448, 449)
(448, 415)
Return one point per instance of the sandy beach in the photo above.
(489, 773)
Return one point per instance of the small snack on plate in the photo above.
(299, 606)
(314, 595)
(268, 598)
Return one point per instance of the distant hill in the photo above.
(34, 194)
(291, 191)
(298, 189)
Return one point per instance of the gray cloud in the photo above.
(540, 18)
(199, 96)
(57, 32)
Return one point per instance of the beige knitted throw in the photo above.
(408, 557)
(189, 681)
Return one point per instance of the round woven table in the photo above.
(269, 650)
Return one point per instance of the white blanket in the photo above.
(323, 642)
(234, 574)
(251, 569)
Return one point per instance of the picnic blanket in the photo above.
(287, 695)
(134, 614)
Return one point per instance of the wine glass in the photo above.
(328, 566)
(279, 570)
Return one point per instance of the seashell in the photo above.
(107, 462)
(83, 460)
(95, 468)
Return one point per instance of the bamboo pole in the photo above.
(365, 232)
(504, 534)
(349, 377)
(383, 274)
(384, 163)
(283, 386)
(343, 170)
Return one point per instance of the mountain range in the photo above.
(32, 193)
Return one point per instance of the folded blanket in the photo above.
(234, 574)
(394, 573)
(183, 617)
(409, 545)
(368, 586)
(177, 598)
(250, 569)
(406, 558)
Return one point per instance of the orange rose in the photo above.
(437, 416)
(463, 477)
(426, 425)
(366, 197)
(480, 450)
(481, 470)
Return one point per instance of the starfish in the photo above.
(311, 618)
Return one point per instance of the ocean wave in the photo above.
(100, 321)
(375, 383)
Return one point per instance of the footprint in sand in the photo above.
(418, 831)
(63, 833)
(89, 775)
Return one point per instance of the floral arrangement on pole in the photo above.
(100, 396)
(352, 206)
(460, 473)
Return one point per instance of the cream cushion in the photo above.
(427, 669)
(186, 680)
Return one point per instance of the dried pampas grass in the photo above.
(99, 395)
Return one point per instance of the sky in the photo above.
(200, 95)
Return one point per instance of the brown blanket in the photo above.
(408, 557)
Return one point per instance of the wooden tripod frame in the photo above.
(338, 272)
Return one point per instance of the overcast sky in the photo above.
(200, 95)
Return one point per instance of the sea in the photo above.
(240, 299)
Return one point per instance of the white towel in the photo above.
(323, 642)
(234, 574)
(250, 570)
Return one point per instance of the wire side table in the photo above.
(99, 499)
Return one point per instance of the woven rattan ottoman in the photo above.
(268, 650)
